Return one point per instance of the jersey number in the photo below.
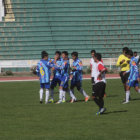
(41, 71)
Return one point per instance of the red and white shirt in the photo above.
(93, 68)
(99, 68)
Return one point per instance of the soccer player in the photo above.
(56, 74)
(123, 63)
(64, 76)
(137, 57)
(43, 71)
(100, 84)
(77, 77)
(133, 78)
(93, 69)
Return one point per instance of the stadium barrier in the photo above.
(30, 63)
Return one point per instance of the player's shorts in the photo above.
(99, 89)
(124, 78)
(45, 85)
(55, 81)
(133, 83)
(64, 82)
(77, 84)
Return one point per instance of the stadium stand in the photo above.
(31, 26)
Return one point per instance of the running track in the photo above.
(16, 79)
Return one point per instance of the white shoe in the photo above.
(59, 102)
(126, 102)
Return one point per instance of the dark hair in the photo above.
(98, 56)
(58, 52)
(135, 52)
(130, 52)
(75, 54)
(66, 53)
(92, 51)
(43, 54)
(125, 49)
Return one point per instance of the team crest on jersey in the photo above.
(80, 63)
(133, 63)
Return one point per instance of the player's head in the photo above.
(74, 55)
(65, 55)
(97, 57)
(44, 55)
(57, 54)
(129, 53)
(93, 53)
(135, 54)
(125, 49)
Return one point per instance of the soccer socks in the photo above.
(138, 90)
(83, 92)
(127, 95)
(72, 94)
(60, 95)
(41, 94)
(64, 96)
(47, 96)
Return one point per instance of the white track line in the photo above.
(1, 81)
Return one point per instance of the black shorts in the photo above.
(77, 84)
(124, 78)
(99, 89)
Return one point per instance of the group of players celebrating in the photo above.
(62, 71)
(128, 62)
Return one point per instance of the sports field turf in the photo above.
(23, 118)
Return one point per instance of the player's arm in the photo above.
(78, 67)
(37, 71)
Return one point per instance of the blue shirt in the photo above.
(77, 68)
(57, 72)
(64, 67)
(43, 70)
(134, 72)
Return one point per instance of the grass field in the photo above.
(23, 118)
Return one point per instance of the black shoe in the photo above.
(41, 102)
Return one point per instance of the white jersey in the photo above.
(93, 66)
(100, 67)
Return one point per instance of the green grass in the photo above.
(23, 118)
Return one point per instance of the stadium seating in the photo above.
(73, 25)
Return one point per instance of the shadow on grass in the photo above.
(110, 96)
(119, 111)
(135, 99)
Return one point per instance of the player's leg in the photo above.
(71, 92)
(60, 92)
(137, 86)
(98, 97)
(53, 84)
(41, 92)
(93, 84)
(128, 86)
(80, 89)
(47, 87)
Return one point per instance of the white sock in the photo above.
(127, 95)
(64, 95)
(71, 92)
(60, 95)
(52, 94)
(83, 92)
(138, 90)
(47, 96)
(41, 94)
